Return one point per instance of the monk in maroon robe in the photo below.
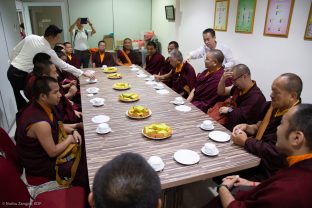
(289, 187)
(182, 77)
(127, 56)
(37, 134)
(261, 139)
(205, 95)
(245, 98)
(154, 60)
(72, 59)
(101, 57)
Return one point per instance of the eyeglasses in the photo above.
(234, 80)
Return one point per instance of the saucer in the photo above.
(100, 119)
(186, 157)
(91, 81)
(206, 129)
(183, 108)
(97, 104)
(219, 136)
(159, 87)
(150, 82)
(103, 132)
(162, 92)
(216, 152)
(134, 69)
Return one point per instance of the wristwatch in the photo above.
(226, 186)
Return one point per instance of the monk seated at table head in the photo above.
(260, 138)
(64, 108)
(126, 181)
(127, 56)
(41, 137)
(172, 45)
(289, 187)
(205, 95)
(154, 60)
(244, 101)
(72, 59)
(101, 57)
(182, 77)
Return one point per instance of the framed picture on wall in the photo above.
(278, 17)
(308, 31)
(170, 12)
(245, 16)
(221, 15)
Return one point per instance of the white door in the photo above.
(39, 15)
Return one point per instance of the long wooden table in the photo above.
(127, 136)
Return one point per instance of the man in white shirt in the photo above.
(209, 37)
(80, 40)
(22, 60)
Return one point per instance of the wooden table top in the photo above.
(126, 133)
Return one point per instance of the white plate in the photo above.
(89, 71)
(100, 119)
(96, 98)
(150, 82)
(93, 90)
(183, 108)
(103, 132)
(206, 129)
(90, 95)
(141, 75)
(92, 81)
(186, 157)
(177, 103)
(219, 136)
(162, 92)
(216, 152)
(134, 69)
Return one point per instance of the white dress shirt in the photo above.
(228, 56)
(24, 52)
(81, 40)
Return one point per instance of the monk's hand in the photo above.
(243, 182)
(241, 127)
(72, 91)
(77, 137)
(239, 137)
(227, 75)
(73, 82)
(188, 58)
(229, 181)
(78, 114)
(224, 110)
(157, 77)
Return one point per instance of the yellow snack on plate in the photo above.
(157, 131)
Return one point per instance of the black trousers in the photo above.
(84, 57)
(17, 79)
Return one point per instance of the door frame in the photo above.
(27, 22)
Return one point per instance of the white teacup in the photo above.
(152, 77)
(156, 162)
(178, 100)
(104, 66)
(103, 127)
(207, 124)
(97, 101)
(210, 148)
(133, 65)
(140, 72)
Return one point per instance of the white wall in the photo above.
(266, 56)
(123, 17)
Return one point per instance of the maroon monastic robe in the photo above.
(133, 56)
(64, 109)
(184, 81)
(205, 95)
(74, 61)
(108, 59)
(248, 107)
(166, 67)
(154, 63)
(32, 155)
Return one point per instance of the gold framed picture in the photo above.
(278, 18)
(308, 31)
(246, 10)
(221, 15)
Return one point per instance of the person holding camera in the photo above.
(80, 39)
